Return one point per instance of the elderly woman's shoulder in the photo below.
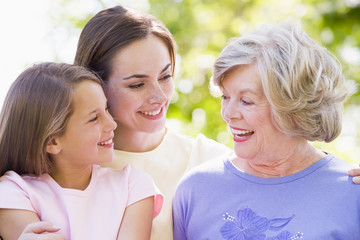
(334, 171)
(337, 164)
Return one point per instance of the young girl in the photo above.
(54, 129)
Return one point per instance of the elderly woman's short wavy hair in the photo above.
(302, 81)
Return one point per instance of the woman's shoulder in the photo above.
(172, 135)
(175, 136)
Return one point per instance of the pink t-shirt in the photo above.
(94, 213)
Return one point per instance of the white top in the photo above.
(166, 164)
(93, 213)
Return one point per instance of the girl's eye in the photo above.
(137, 85)
(165, 77)
(94, 119)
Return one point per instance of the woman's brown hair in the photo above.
(112, 29)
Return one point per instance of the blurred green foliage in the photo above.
(202, 28)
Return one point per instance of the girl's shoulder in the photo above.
(11, 179)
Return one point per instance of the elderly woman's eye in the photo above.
(245, 102)
(224, 97)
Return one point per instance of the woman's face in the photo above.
(140, 86)
(248, 115)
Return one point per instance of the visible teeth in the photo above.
(152, 113)
(106, 142)
(240, 132)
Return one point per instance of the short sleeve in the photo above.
(142, 186)
(14, 193)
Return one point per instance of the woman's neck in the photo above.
(287, 164)
(132, 141)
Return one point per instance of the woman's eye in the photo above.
(245, 102)
(165, 77)
(137, 85)
(224, 97)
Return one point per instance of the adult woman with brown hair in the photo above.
(134, 54)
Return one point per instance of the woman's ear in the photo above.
(53, 146)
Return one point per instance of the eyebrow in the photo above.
(144, 75)
(244, 90)
(96, 110)
(250, 90)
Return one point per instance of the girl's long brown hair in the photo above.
(37, 107)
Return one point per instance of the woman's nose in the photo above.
(230, 111)
(157, 94)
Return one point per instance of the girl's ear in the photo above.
(53, 146)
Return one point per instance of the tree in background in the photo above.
(202, 28)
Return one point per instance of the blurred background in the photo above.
(42, 30)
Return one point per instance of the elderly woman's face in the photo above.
(248, 114)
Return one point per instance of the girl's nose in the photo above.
(110, 123)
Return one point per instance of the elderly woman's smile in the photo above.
(241, 134)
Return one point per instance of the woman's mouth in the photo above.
(241, 134)
(152, 113)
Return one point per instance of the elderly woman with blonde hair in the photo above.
(281, 90)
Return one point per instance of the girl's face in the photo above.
(140, 86)
(89, 132)
(247, 112)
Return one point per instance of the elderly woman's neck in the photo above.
(288, 163)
